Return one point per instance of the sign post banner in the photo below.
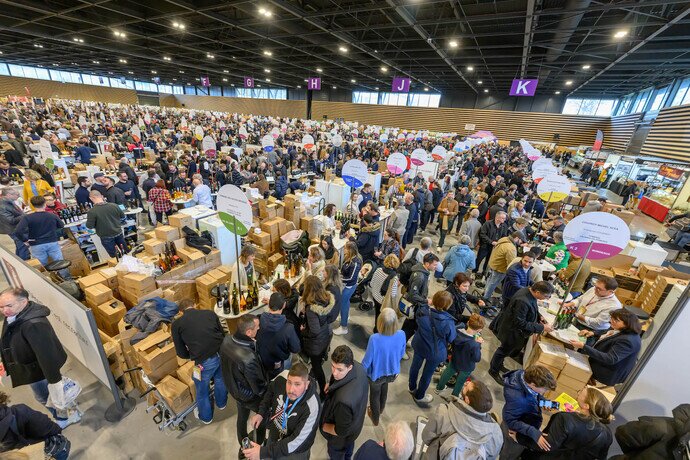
(208, 145)
(205, 81)
(308, 141)
(248, 82)
(418, 157)
(397, 163)
(234, 209)
(598, 141)
(553, 188)
(267, 143)
(439, 152)
(523, 87)
(608, 234)
(314, 83)
(671, 173)
(542, 169)
(355, 173)
(532, 153)
(401, 85)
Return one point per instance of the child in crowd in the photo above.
(467, 352)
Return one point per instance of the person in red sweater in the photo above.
(53, 205)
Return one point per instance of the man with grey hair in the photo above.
(491, 231)
(10, 215)
(419, 253)
(471, 228)
(398, 444)
(499, 206)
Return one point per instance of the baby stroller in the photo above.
(363, 292)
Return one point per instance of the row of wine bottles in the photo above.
(169, 258)
(237, 302)
(74, 213)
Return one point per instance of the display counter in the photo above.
(653, 209)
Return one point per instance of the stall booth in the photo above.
(667, 186)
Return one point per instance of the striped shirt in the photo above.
(376, 284)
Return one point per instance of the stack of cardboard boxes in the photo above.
(293, 212)
(206, 282)
(570, 368)
(156, 354)
(116, 360)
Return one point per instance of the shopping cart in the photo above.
(165, 417)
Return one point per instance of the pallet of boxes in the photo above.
(272, 220)
(570, 368)
(661, 287)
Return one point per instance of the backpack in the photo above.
(455, 447)
(405, 269)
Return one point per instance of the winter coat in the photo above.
(367, 240)
(521, 412)
(516, 279)
(490, 232)
(459, 259)
(418, 287)
(31, 351)
(459, 419)
(502, 255)
(10, 216)
(573, 436)
(398, 220)
(345, 406)
(31, 427)
(301, 425)
(459, 305)
(452, 207)
(471, 228)
(337, 294)
(435, 330)
(243, 372)
(317, 334)
(281, 187)
(653, 438)
(467, 352)
(613, 357)
(518, 321)
(276, 340)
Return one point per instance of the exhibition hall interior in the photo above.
(339, 229)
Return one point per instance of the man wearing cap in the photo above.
(277, 338)
(99, 183)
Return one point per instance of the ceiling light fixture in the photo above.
(226, 71)
(342, 49)
(453, 44)
(335, 87)
(210, 56)
(470, 68)
(123, 61)
(267, 70)
(558, 92)
(154, 72)
(130, 72)
(426, 89)
(568, 83)
(96, 62)
(319, 69)
(174, 79)
(225, 79)
(181, 71)
(586, 67)
(38, 45)
(232, 84)
(384, 69)
(479, 82)
(299, 86)
(178, 25)
(268, 80)
(78, 40)
(377, 88)
(486, 90)
(620, 34)
(258, 86)
(267, 53)
(264, 12)
(167, 58)
(353, 81)
(119, 34)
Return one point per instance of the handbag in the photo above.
(406, 308)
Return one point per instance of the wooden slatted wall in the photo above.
(281, 108)
(14, 86)
(620, 131)
(573, 130)
(670, 135)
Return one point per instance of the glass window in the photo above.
(216, 91)
(572, 106)
(29, 72)
(229, 91)
(659, 98)
(202, 90)
(165, 89)
(394, 98)
(178, 89)
(424, 100)
(605, 108)
(16, 70)
(681, 96)
(42, 74)
(3, 69)
(189, 89)
(364, 97)
(145, 86)
(641, 101)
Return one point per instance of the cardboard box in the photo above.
(150, 235)
(577, 366)
(109, 274)
(139, 282)
(647, 271)
(626, 280)
(90, 280)
(575, 384)
(180, 220)
(155, 352)
(212, 259)
(305, 223)
(97, 294)
(110, 312)
(549, 354)
(272, 227)
(72, 252)
(154, 247)
(175, 393)
(626, 216)
(619, 261)
(262, 239)
(624, 294)
(35, 263)
(167, 233)
(184, 375)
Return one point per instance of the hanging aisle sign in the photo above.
(401, 85)
(234, 209)
(314, 83)
(553, 188)
(397, 163)
(248, 82)
(523, 87)
(607, 233)
(355, 173)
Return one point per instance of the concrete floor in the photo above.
(137, 437)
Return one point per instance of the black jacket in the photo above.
(242, 370)
(459, 305)
(275, 341)
(613, 358)
(519, 320)
(31, 427)
(197, 335)
(345, 406)
(337, 295)
(290, 310)
(418, 289)
(115, 195)
(574, 437)
(367, 240)
(653, 438)
(317, 334)
(30, 349)
(490, 232)
(301, 424)
(10, 216)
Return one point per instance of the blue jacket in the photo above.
(467, 352)
(383, 355)
(82, 195)
(366, 197)
(443, 329)
(83, 154)
(281, 187)
(516, 279)
(459, 259)
(414, 215)
(276, 340)
(350, 272)
(521, 412)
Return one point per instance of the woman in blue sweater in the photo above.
(352, 263)
(435, 330)
(382, 360)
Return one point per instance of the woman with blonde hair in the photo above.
(352, 263)
(315, 263)
(385, 286)
(34, 185)
(580, 435)
(382, 360)
(316, 303)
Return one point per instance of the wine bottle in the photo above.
(226, 304)
(250, 297)
(161, 263)
(243, 302)
(256, 293)
(235, 301)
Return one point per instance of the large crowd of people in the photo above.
(480, 213)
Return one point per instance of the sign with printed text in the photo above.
(234, 209)
(523, 87)
(553, 188)
(418, 157)
(470, 127)
(401, 85)
(314, 83)
(608, 233)
(671, 173)
(397, 163)
(248, 82)
(205, 81)
(355, 173)
(208, 145)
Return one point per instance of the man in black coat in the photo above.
(31, 352)
(516, 323)
(489, 234)
(277, 338)
(243, 372)
(113, 194)
(345, 404)
(10, 215)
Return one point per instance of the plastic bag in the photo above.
(63, 395)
